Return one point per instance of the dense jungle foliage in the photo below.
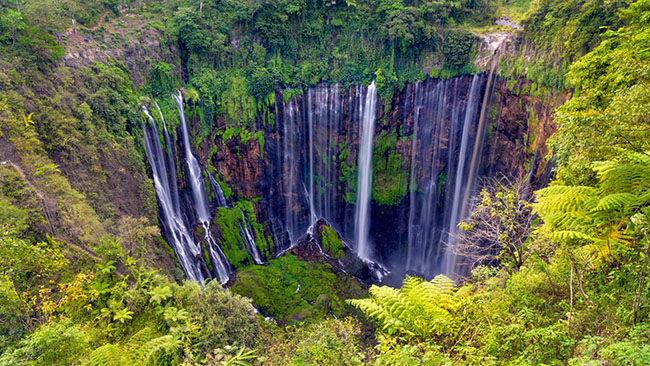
(98, 285)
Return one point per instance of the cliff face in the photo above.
(521, 124)
(305, 165)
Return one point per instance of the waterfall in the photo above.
(444, 135)
(324, 168)
(170, 158)
(366, 135)
(321, 166)
(296, 169)
(202, 259)
(289, 167)
(195, 183)
(457, 202)
(430, 105)
(178, 233)
(194, 179)
(249, 241)
(216, 188)
(460, 200)
(318, 133)
(311, 130)
(462, 203)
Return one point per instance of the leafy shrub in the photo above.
(457, 48)
(58, 343)
(332, 342)
(225, 319)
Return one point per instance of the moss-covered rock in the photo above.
(230, 221)
(232, 243)
(332, 244)
(390, 179)
(291, 290)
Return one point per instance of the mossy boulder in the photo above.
(291, 290)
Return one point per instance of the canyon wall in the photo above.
(429, 158)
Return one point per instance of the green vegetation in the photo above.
(290, 290)
(238, 52)
(332, 244)
(567, 285)
(349, 174)
(328, 342)
(610, 113)
(232, 242)
(557, 33)
(417, 322)
(231, 221)
(516, 9)
(390, 170)
(227, 191)
(264, 243)
(86, 278)
(96, 317)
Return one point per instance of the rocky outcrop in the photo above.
(311, 247)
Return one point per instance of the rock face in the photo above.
(312, 247)
(428, 158)
(521, 125)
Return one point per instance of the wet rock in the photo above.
(310, 248)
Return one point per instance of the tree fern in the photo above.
(596, 217)
(419, 309)
(156, 349)
(108, 355)
(142, 349)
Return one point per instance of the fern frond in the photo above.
(559, 235)
(564, 199)
(370, 308)
(563, 189)
(623, 177)
(155, 348)
(107, 355)
(141, 349)
(568, 220)
(410, 282)
(394, 302)
(138, 339)
(615, 201)
(439, 291)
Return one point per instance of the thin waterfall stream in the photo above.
(367, 134)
